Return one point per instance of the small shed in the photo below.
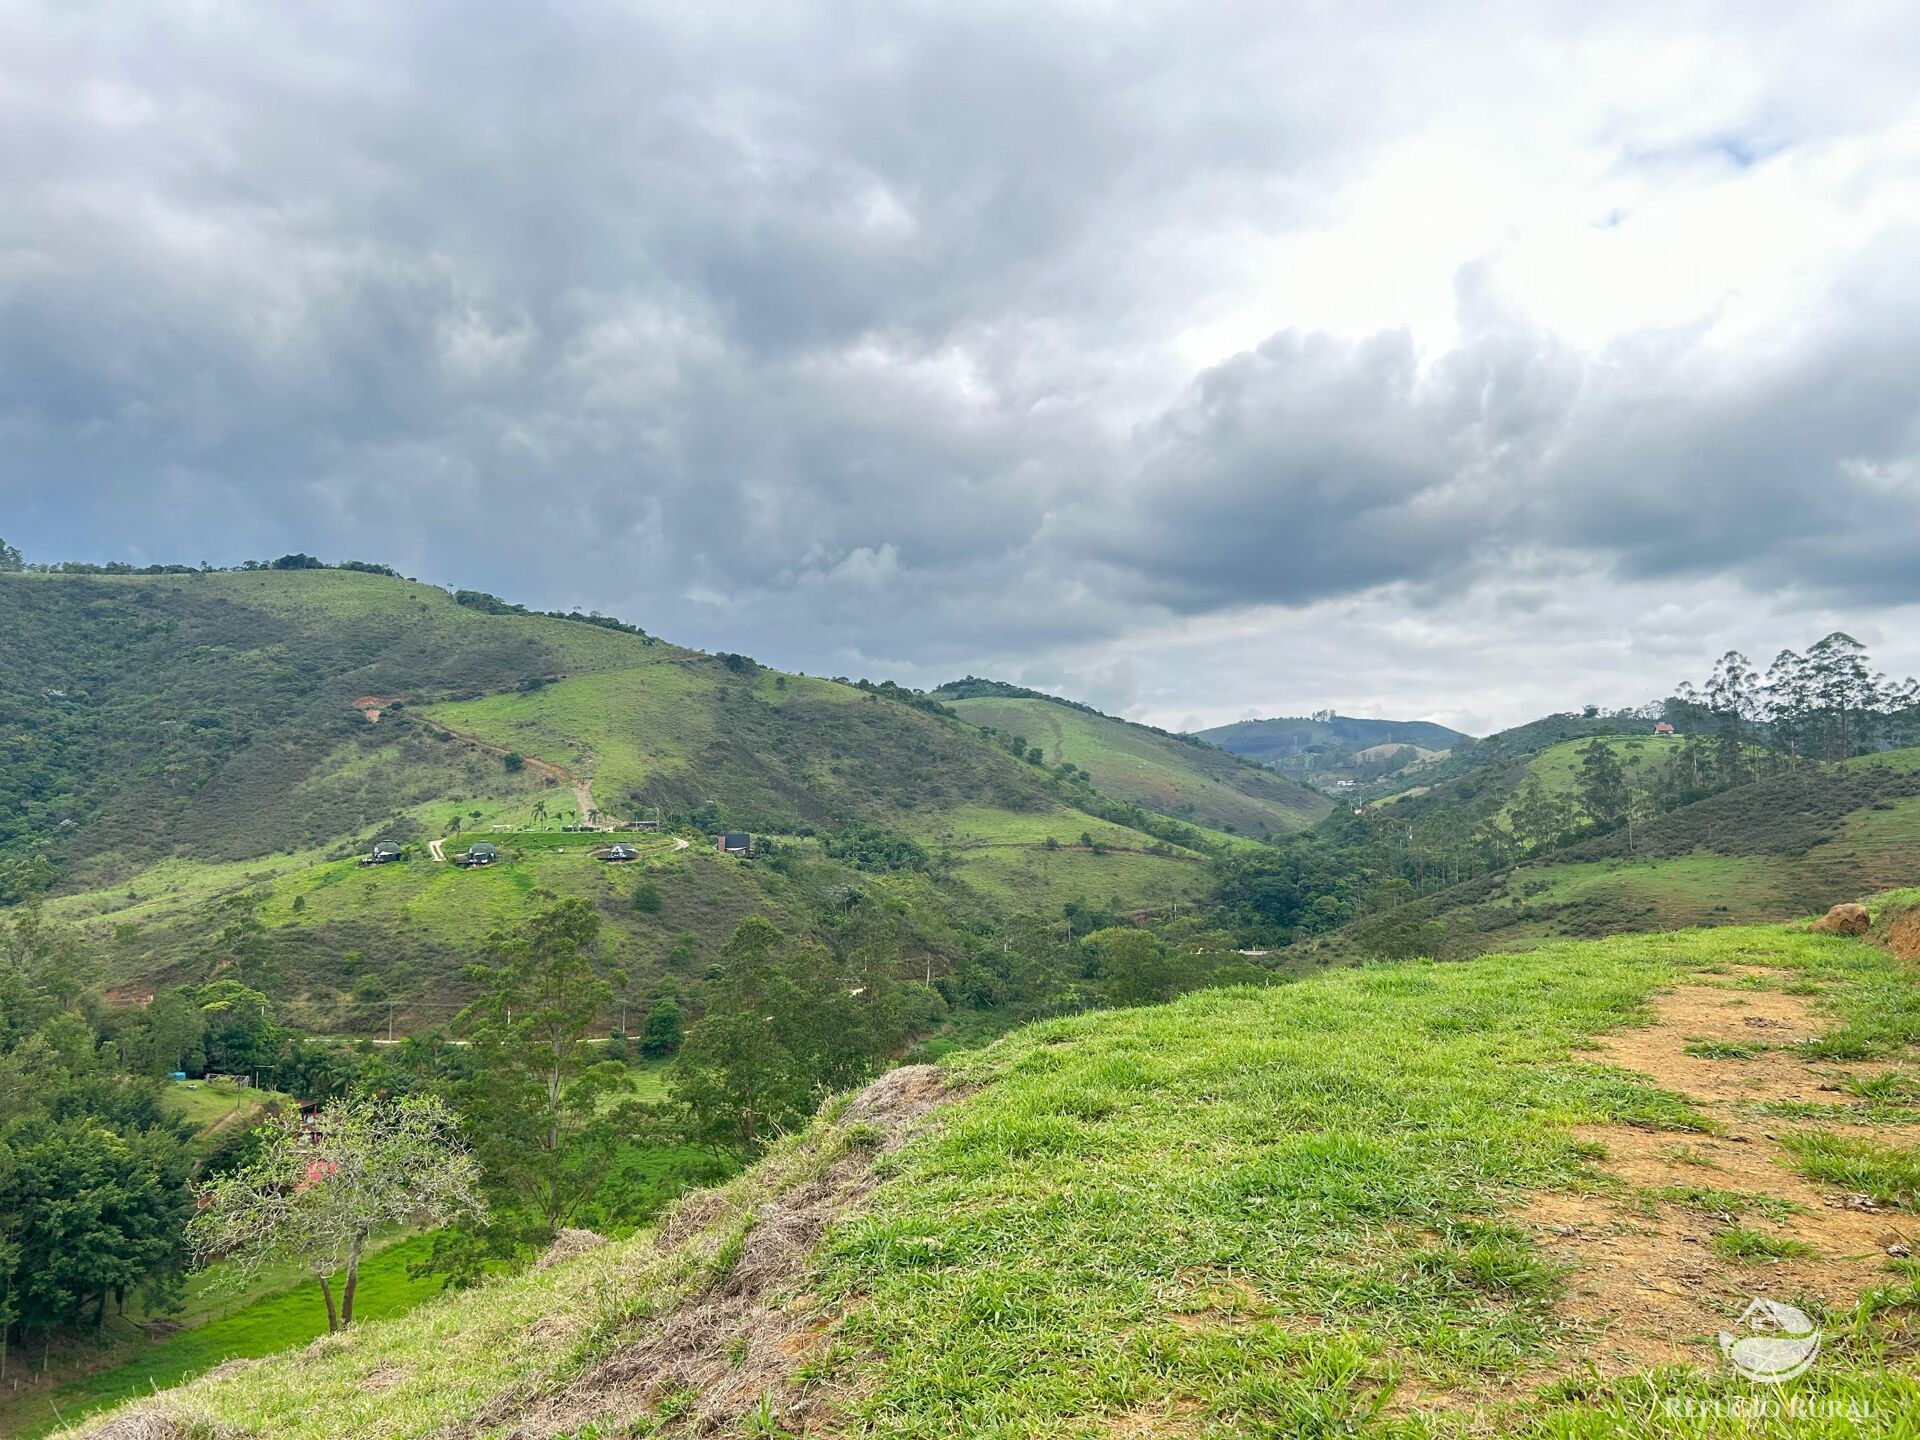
(482, 853)
(618, 853)
(741, 845)
(1663, 728)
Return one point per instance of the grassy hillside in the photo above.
(156, 716)
(188, 752)
(1775, 849)
(765, 750)
(1162, 773)
(1511, 1197)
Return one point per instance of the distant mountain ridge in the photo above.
(1180, 776)
(1269, 740)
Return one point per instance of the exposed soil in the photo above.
(371, 706)
(1644, 1275)
(1903, 935)
(739, 1344)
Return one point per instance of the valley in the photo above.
(1057, 1074)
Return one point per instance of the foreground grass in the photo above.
(1280, 1212)
(1275, 1213)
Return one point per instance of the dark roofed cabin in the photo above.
(735, 845)
(621, 852)
(384, 852)
(482, 853)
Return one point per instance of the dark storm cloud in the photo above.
(853, 335)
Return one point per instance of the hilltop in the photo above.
(1339, 751)
(1516, 1196)
(1268, 740)
(1172, 775)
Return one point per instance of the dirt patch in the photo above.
(738, 1345)
(1644, 1274)
(1178, 1418)
(1716, 1017)
(1903, 935)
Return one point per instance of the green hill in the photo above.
(199, 758)
(1167, 774)
(1513, 1197)
(1773, 849)
(1270, 740)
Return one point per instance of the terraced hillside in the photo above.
(1517, 1197)
(1167, 774)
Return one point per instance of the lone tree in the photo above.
(322, 1186)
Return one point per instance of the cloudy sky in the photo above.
(1452, 361)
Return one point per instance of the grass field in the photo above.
(1317, 1209)
(1156, 772)
(1030, 880)
(621, 729)
(213, 1109)
(1003, 855)
(1687, 890)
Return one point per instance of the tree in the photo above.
(782, 1029)
(1603, 784)
(1536, 819)
(319, 1189)
(93, 1171)
(11, 558)
(1733, 700)
(240, 1035)
(665, 1028)
(550, 1136)
(1846, 692)
(1134, 963)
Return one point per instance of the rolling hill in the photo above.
(1271, 740)
(193, 762)
(1774, 849)
(1167, 774)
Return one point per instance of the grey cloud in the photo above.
(848, 336)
